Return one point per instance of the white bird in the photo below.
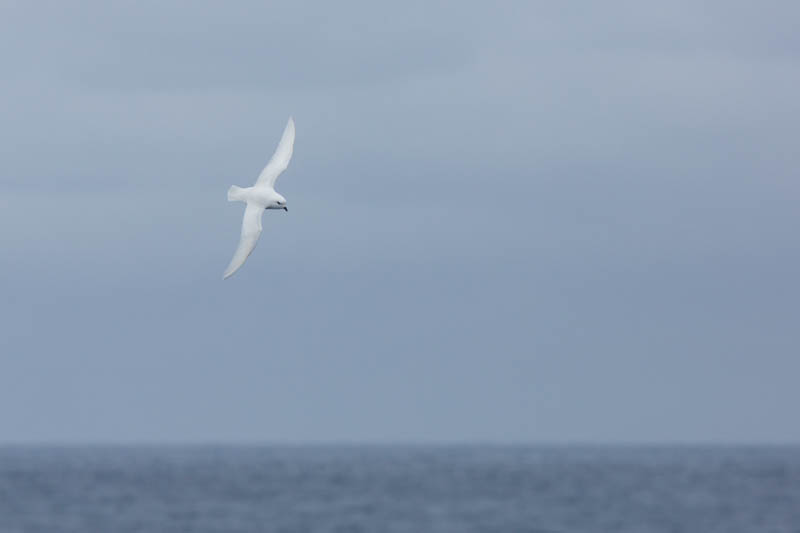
(259, 197)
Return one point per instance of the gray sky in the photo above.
(514, 222)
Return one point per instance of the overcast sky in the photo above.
(511, 221)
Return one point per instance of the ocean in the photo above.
(375, 488)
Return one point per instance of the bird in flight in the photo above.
(259, 197)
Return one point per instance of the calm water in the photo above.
(399, 489)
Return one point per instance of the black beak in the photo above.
(286, 209)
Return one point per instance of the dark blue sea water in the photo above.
(399, 489)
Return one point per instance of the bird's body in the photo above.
(264, 196)
(259, 197)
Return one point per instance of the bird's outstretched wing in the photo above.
(280, 159)
(251, 229)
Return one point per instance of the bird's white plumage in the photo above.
(260, 197)
(280, 159)
(251, 230)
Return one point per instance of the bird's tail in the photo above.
(236, 194)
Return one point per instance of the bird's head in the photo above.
(280, 203)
